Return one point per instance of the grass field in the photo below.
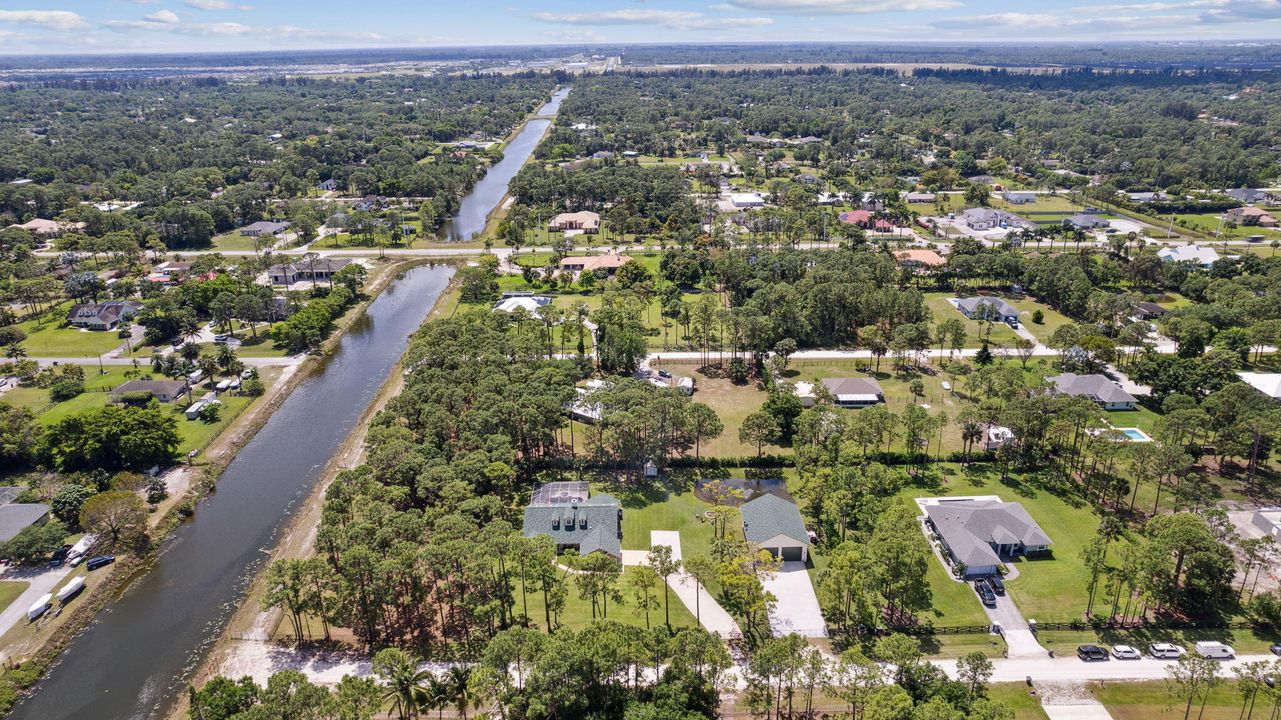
(732, 403)
(195, 433)
(10, 590)
(1210, 225)
(1025, 705)
(49, 336)
(235, 242)
(664, 508)
(999, 334)
(1145, 700)
(1053, 319)
(577, 613)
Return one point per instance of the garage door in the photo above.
(792, 554)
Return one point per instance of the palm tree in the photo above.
(407, 688)
(462, 692)
(15, 352)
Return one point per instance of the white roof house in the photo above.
(1267, 383)
(747, 200)
(1191, 253)
(529, 303)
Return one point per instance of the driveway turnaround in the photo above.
(797, 609)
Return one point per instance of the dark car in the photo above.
(665, 374)
(59, 556)
(94, 563)
(998, 585)
(1091, 652)
(985, 593)
(1275, 648)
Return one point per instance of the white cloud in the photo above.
(670, 19)
(575, 35)
(51, 19)
(162, 16)
(837, 7)
(214, 5)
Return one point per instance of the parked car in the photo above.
(1275, 648)
(1215, 650)
(1090, 653)
(985, 593)
(665, 374)
(1168, 651)
(998, 585)
(1126, 652)
(247, 374)
(222, 338)
(59, 556)
(101, 561)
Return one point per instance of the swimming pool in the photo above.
(1135, 435)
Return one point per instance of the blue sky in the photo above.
(211, 25)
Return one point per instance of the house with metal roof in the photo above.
(854, 392)
(981, 533)
(16, 517)
(1099, 388)
(575, 521)
(775, 525)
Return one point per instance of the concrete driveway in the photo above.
(42, 579)
(696, 599)
(1018, 636)
(797, 610)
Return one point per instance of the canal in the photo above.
(138, 654)
(476, 206)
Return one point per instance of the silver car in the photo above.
(1166, 651)
(1125, 652)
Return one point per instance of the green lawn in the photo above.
(1025, 705)
(657, 508)
(1210, 225)
(235, 242)
(577, 613)
(1145, 700)
(732, 403)
(1052, 321)
(10, 590)
(49, 336)
(1044, 204)
(999, 334)
(195, 433)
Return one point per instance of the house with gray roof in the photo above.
(163, 390)
(1019, 198)
(574, 521)
(264, 227)
(980, 534)
(16, 517)
(982, 307)
(1247, 195)
(1098, 388)
(1086, 221)
(854, 392)
(775, 525)
(989, 219)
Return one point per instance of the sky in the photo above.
(96, 26)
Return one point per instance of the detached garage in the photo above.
(774, 524)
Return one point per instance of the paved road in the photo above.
(1072, 669)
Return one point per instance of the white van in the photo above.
(1217, 650)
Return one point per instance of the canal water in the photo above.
(476, 206)
(139, 652)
